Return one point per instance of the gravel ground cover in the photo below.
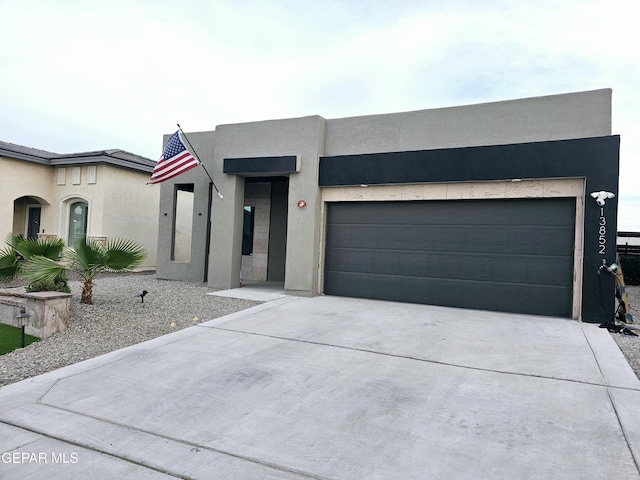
(118, 319)
(630, 345)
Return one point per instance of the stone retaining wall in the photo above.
(49, 311)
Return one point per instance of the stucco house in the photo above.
(101, 194)
(484, 206)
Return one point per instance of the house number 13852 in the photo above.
(602, 231)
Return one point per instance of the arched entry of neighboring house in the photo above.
(27, 215)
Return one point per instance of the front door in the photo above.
(33, 222)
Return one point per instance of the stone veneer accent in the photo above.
(254, 267)
(49, 311)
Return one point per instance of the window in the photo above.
(247, 230)
(78, 215)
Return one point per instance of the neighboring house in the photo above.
(99, 194)
(483, 206)
(628, 242)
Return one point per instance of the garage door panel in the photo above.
(515, 212)
(452, 238)
(504, 255)
(491, 267)
(538, 300)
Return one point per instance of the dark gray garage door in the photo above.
(502, 255)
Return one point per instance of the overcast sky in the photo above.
(92, 75)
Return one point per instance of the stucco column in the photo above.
(225, 255)
(301, 269)
(303, 225)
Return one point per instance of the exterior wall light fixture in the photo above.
(602, 196)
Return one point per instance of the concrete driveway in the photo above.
(336, 388)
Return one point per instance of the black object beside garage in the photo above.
(512, 255)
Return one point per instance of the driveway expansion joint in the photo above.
(418, 359)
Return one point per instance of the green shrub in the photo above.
(57, 285)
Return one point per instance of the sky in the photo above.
(82, 75)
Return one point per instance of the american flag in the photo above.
(175, 160)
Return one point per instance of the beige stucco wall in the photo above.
(129, 208)
(548, 188)
(18, 179)
(66, 191)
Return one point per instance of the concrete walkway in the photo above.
(336, 388)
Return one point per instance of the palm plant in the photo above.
(9, 264)
(14, 256)
(88, 258)
(28, 247)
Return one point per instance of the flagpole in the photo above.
(202, 164)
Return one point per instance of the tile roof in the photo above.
(115, 157)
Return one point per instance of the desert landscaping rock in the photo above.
(630, 345)
(118, 319)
